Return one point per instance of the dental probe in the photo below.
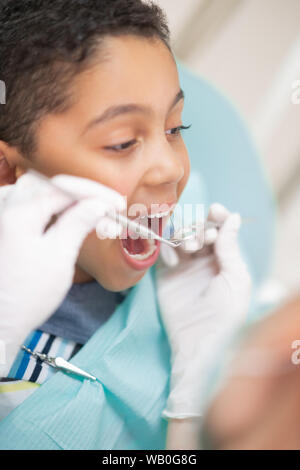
(124, 221)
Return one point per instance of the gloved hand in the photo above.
(203, 298)
(37, 266)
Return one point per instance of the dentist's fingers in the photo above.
(217, 213)
(83, 188)
(24, 190)
(71, 229)
(210, 236)
(206, 236)
(169, 255)
(192, 245)
(107, 228)
(29, 205)
(203, 237)
(227, 247)
(32, 201)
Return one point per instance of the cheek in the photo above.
(126, 187)
(95, 253)
(187, 169)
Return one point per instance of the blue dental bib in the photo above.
(130, 356)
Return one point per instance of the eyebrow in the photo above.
(114, 111)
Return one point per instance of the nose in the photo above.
(166, 163)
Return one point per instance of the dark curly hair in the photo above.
(44, 44)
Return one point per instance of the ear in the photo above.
(9, 170)
(7, 174)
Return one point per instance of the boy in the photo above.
(93, 91)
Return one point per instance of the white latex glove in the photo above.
(37, 267)
(203, 298)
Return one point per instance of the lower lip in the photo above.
(142, 265)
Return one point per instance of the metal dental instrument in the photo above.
(123, 220)
(60, 363)
(139, 229)
(189, 232)
(145, 231)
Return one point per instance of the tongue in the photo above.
(140, 246)
(135, 247)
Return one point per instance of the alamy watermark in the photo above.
(187, 220)
(2, 92)
(295, 357)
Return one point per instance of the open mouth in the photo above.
(140, 252)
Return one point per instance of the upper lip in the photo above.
(154, 208)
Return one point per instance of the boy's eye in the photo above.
(177, 130)
(124, 146)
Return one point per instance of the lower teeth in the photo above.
(152, 248)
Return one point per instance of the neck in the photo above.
(80, 276)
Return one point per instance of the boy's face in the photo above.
(153, 170)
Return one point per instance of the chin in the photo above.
(102, 260)
(117, 283)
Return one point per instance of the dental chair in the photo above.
(226, 168)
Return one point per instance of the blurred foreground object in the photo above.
(258, 405)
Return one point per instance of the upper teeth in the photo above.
(159, 215)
